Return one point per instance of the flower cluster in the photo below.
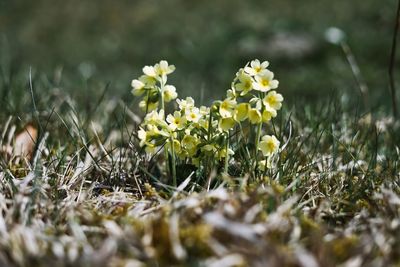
(153, 85)
(201, 135)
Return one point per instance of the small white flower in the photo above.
(155, 118)
(268, 145)
(176, 121)
(245, 84)
(142, 134)
(265, 81)
(169, 93)
(193, 114)
(256, 67)
(149, 71)
(268, 113)
(185, 103)
(138, 87)
(274, 100)
(227, 108)
(163, 68)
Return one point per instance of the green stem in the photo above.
(258, 135)
(162, 83)
(162, 95)
(227, 155)
(210, 125)
(257, 141)
(209, 132)
(173, 162)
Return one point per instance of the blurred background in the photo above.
(76, 43)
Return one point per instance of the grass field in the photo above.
(78, 187)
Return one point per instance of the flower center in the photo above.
(265, 82)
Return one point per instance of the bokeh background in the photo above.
(108, 42)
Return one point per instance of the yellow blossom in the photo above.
(149, 71)
(203, 123)
(148, 80)
(209, 148)
(190, 142)
(268, 145)
(163, 68)
(230, 94)
(225, 124)
(242, 111)
(256, 67)
(185, 103)
(176, 121)
(150, 148)
(142, 134)
(245, 84)
(154, 131)
(138, 87)
(265, 81)
(155, 117)
(149, 106)
(204, 110)
(274, 100)
(169, 93)
(254, 116)
(193, 115)
(227, 108)
(268, 114)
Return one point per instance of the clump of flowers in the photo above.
(202, 135)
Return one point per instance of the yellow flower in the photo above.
(209, 149)
(254, 116)
(176, 121)
(193, 115)
(155, 117)
(245, 83)
(150, 148)
(190, 142)
(265, 81)
(153, 131)
(268, 145)
(149, 71)
(227, 108)
(163, 68)
(147, 80)
(142, 134)
(256, 67)
(225, 124)
(138, 87)
(169, 93)
(230, 94)
(185, 103)
(242, 111)
(268, 114)
(273, 100)
(203, 123)
(204, 110)
(150, 106)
